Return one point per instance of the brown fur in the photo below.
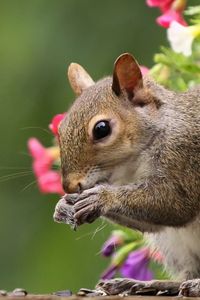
(151, 168)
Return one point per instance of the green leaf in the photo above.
(158, 270)
(129, 234)
(124, 251)
(192, 10)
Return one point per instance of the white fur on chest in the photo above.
(180, 248)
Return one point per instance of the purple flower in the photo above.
(110, 245)
(136, 265)
(109, 272)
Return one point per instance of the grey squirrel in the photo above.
(130, 152)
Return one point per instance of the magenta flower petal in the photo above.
(144, 70)
(136, 265)
(42, 160)
(111, 244)
(56, 122)
(35, 148)
(40, 167)
(169, 16)
(162, 4)
(109, 273)
(171, 12)
(50, 182)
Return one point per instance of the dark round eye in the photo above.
(101, 130)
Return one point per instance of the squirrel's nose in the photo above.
(72, 186)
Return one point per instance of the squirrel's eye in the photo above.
(101, 129)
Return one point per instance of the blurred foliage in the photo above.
(38, 39)
(176, 71)
(172, 68)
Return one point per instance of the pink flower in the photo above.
(144, 70)
(42, 159)
(49, 181)
(156, 256)
(171, 15)
(172, 11)
(164, 5)
(55, 123)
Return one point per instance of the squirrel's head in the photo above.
(105, 126)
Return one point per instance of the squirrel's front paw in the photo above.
(89, 205)
(77, 209)
(64, 212)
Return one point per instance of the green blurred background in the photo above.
(38, 39)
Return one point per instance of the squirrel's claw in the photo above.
(71, 198)
(88, 207)
(86, 211)
(86, 215)
(76, 209)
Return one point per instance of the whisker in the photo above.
(83, 236)
(93, 233)
(28, 185)
(25, 153)
(98, 229)
(36, 127)
(13, 176)
(98, 253)
(14, 168)
(106, 166)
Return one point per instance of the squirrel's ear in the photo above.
(126, 75)
(79, 79)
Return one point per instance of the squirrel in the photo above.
(130, 152)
